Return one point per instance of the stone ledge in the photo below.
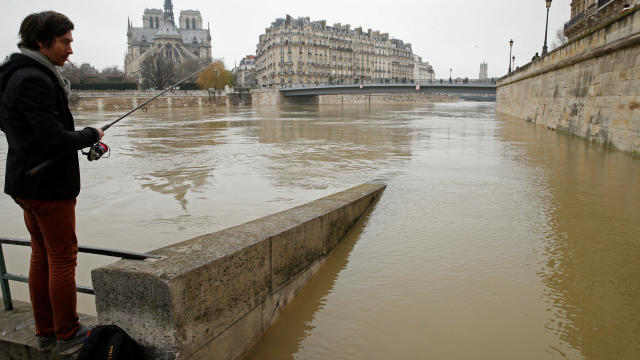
(17, 334)
(223, 290)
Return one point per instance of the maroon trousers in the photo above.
(52, 272)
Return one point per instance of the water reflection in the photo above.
(304, 147)
(494, 238)
(318, 146)
(591, 268)
(308, 301)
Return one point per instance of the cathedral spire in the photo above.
(168, 11)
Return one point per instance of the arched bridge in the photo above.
(484, 90)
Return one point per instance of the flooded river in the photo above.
(494, 239)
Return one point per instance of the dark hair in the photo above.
(43, 27)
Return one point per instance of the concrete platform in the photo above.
(17, 334)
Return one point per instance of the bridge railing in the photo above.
(488, 83)
(5, 276)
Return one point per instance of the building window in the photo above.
(193, 23)
(157, 22)
(187, 24)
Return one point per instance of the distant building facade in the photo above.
(159, 34)
(245, 72)
(422, 71)
(484, 71)
(588, 14)
(301, 51)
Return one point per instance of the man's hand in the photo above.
(101, 133)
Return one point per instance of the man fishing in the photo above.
(35, 116)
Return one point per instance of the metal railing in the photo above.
(5, 276)
(574, 21)
(602, 3)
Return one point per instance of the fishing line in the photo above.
(97, 150)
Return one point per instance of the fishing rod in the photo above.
(104, 128)
(97, 150)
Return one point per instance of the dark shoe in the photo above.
(46, 343)
(73, 345)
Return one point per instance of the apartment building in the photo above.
(301, 51)
(422, 71)
(589, 14)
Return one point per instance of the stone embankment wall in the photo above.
(385, 99)
(589, 87)
(127, 100)
(262, 97)
(273, 97)
(213, 297)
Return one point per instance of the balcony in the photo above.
(602, 3)
(595, 15)
(573, 21)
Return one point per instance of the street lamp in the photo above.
(510, 48)
(546, 29)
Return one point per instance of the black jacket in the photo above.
(35, 116)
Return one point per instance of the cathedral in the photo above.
(160, 35)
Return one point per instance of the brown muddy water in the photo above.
(494, 239)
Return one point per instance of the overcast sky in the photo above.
(449, 34)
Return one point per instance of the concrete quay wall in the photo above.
(589, 87)
(273, 97)
(384, 99)
(214, 296)
(127, 100)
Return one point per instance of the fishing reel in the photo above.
(97, 150)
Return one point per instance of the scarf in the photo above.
(39, 57)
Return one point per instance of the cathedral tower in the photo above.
(159, 35)
(168, 11)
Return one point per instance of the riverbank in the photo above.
(588, 87)
(127, 100)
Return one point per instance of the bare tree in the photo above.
(189, 66)
(559, 40)
(158, 72)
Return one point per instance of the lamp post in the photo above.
(510, 48)
(546, 29)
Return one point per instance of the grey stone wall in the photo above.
(590, 87)
(213, 297)
(127, 100)
(385, 99)
(273, 97)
